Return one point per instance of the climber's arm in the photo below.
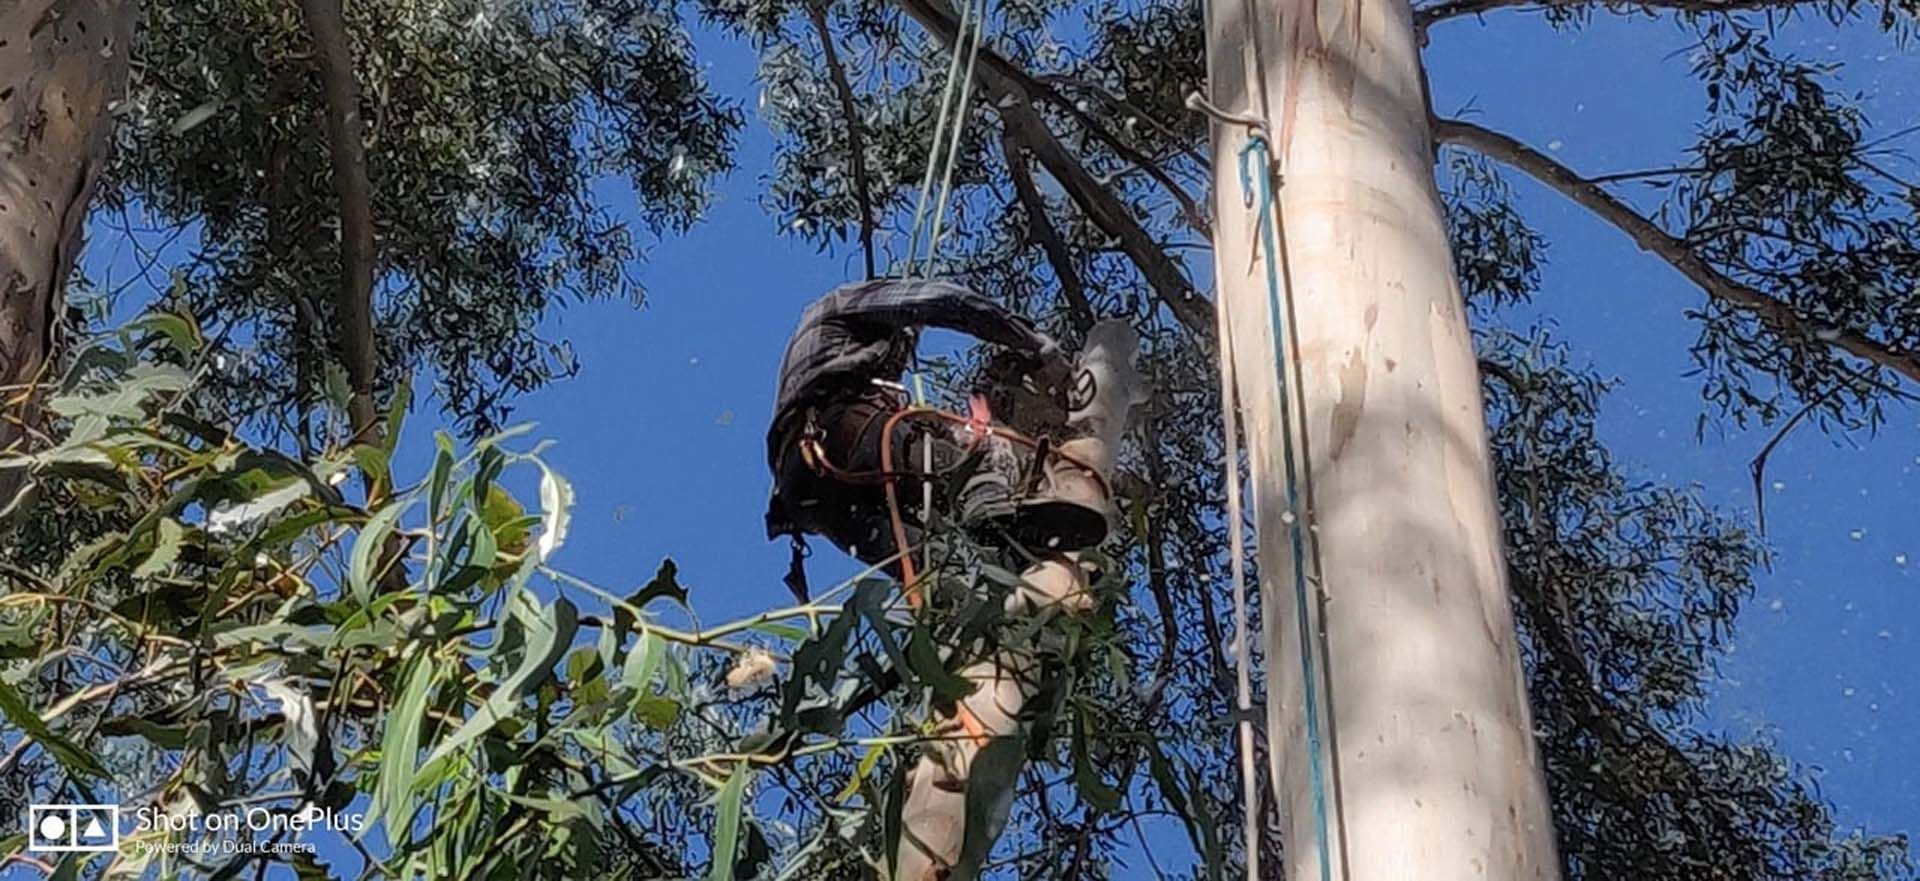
(904, 303)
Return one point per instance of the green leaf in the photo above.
(726, 830)
(1199, 829)
(178, 330)
(547, 637)
(502, 436)
(126, 400)
(656, 711)
(442, 471)
(399, 748)
(583, 663)
(191, 119)
(665, 583)
(228, 516)
(297, 525)
(556, 504)
(163, 736)
(1093, 789)
(289, 635)
(924, 659)
(990, 782)
(559, 810)
(373, 461)
(861, 772)
(892, 821)
(369, 551)
(480, 558)
(637, 672)
(339, 393)
(16, 710)
(636, 676)
(505, 518)
(869, 600)
(397, 416)
(788, 632)
(19, 641)
(166, 549)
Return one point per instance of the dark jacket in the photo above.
(868, 330)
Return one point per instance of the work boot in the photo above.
(1055, 524)
(1046, 520)
(988, 508)
(986, 498)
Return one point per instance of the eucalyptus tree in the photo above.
(486, 128)
(63, 65)
(1082, 181)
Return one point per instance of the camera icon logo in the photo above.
(81, 828)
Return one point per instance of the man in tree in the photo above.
(834, 415)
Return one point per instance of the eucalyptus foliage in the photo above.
(1785, 199)
(549, 726)
(492, 128)
(239, 632)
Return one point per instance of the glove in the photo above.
(1052, 376)
(1016, 384)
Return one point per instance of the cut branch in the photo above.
(1777, 314)
(856, 137)
(354, 302)
(1011, 92)
(1040, 227)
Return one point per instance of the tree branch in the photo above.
(1590, 702)
(1426, 16)
(1119, 102)
(1189, 207)
(1043, 89)
(1042, 231)
(1010, 90)
(354, 302)
(856, 140)
(1777, 314)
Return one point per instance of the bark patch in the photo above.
(1353, 398)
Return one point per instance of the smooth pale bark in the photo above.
(933, 820)
(1428, 745)
(62, 65)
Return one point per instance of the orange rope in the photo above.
(815, 456)
(909, 581)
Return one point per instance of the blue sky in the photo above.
(1821, 654)
(662, 431)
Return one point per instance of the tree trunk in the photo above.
(1426, 743)
(934, 836)
(62, 65)
(346, 143)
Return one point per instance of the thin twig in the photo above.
(1041, 228)
(856, 138)
(1758, 467)
(1776, 314)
